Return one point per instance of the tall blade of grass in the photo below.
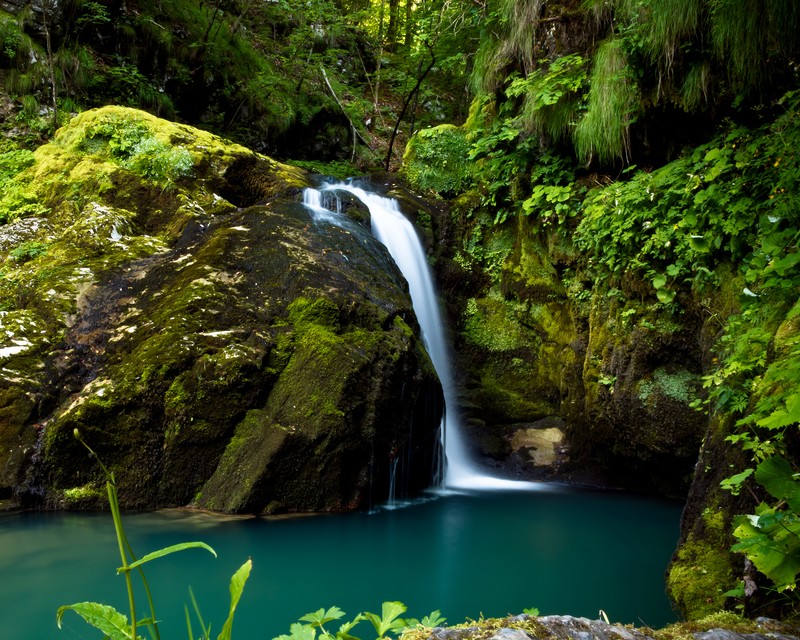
(205, 629)
(237, 586)
(115, 514)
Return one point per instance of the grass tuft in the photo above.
(603, 134)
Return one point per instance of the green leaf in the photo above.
(299, 632)
(238, 581)
(783, 417)
(775, 474)
(665, 295)
(388, 620)
(699, 243)
(659, 281)
(102, 617)
(787, 264)
(736, 592)
(734, 482)
(433, 619)
(344, 630)
(771, 541)
(166, 551)
(320, 616)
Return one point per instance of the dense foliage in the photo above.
(316, 81)
(657, 138)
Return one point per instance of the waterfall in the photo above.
(397, 233)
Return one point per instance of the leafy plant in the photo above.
(503, 159)
(388, 621)
(135, 147)
(28, 251)
(770, 537)
(552, 96)
(116, 625)
(436, 160)
(389, 618)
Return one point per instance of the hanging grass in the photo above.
(522, 19)
(603, 134)
(670, 23)
(697, 86)
(511, 39)
(749, 34)
(487, 76)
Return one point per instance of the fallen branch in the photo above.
(341, 106)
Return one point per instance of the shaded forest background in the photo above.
(610, 83)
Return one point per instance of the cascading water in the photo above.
(397, 233)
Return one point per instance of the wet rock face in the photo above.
(242, 360)
(534, 344)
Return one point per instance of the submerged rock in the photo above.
(236, 357)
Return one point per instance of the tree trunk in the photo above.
(409, 40)
(391, 31)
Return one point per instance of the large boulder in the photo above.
(166, 294)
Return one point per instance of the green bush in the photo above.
(436, 160)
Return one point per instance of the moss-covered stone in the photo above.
(538, 336)
(164, 320)
(701, 571)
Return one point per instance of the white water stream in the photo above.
(397, 233)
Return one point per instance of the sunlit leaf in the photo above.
(388, 620)
(106, 619)
(734, 483)
(167, 551)
(699, 243)
(238, 581)
(777, 477)
(665, 295)
(321, 616)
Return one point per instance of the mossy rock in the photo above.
(156, 313)
(701, 571)
(516, 340)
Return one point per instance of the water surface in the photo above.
(470, 554)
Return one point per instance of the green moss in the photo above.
(83, 497)
(679, 386)
(256, 439)
(718, 620)
(509, 393)
(701, 572)
(323, 312)
(488, 323)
